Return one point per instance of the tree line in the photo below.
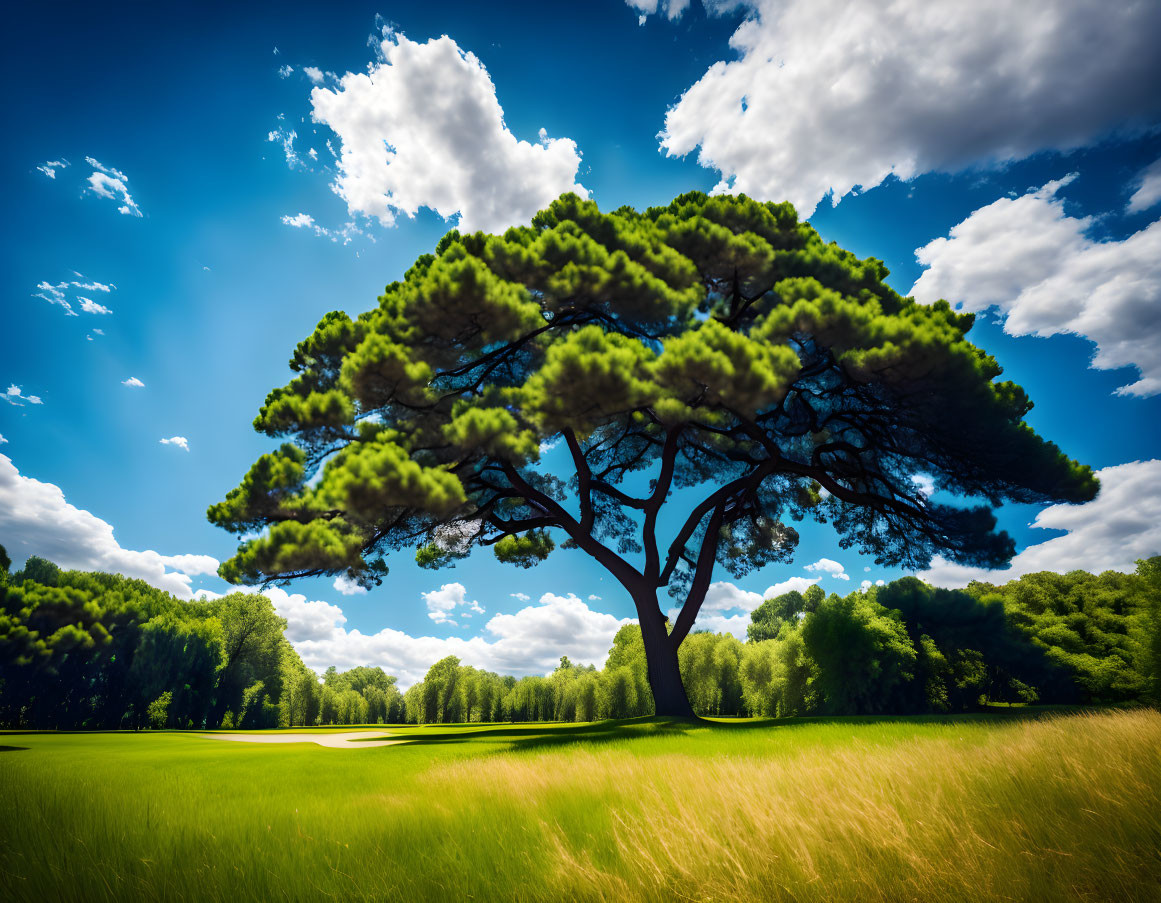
(91, 650)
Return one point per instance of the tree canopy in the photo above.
(715, 342)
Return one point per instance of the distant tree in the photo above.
(862, 653)
(38, 570)
(714, 342)
(5, 563)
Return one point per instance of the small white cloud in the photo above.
(314, 74)
(442, 602)
(286, 138)
(594, 598)
(15, 396)
(89, 306)
(1148, 191)
(880, 583)
(107, 182)
(348, 587)
(3, 441)
(865, 585)
(523, 597)
(299, 221)
(924, 483)
(50, 167)
(285, 71)
(313, 154)
(133, 382)
(830, 567)
(180, 441)
(306, 221)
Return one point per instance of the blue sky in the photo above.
(172, 211)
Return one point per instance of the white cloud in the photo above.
(830, 567)
(14, 395)
(3, 441)
(49, 167)
(1035, 263)
(133, 382)
(924, 483)
(286, 138)
(306, 221)
(827, 95)
(442, 603)
(35, 519)
(348, 587)
(1122, 524)
(89, 306)
(180, 441)
(865, 585)
(523, 597)
(107, 182)
(423, 128)
(1148, 191)
(724, 597)
(531, 641)
(671, 8)
(285, 71)
(314, 74)
(58, 293)
(593, 598)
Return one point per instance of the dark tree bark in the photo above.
(669, 697)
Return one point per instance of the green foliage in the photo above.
(715, 340)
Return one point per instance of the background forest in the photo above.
(92, 650)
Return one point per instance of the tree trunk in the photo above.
(669, 699)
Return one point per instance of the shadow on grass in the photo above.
(550, 735)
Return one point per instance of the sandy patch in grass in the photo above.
(345, 740)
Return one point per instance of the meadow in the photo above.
(1013, 805)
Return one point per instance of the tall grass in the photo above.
(1065, 808)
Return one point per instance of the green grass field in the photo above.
(1014, 806)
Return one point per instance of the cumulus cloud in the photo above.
(727, 607)
(1037, 265)
(523, 597)
(827, 95)
(14, 395)
(830, 567)
(133, 382)
(442, 603)
(49, 167)
(113, 184)
(530, 641)
(35, 519)
(423, 128)
(314, 73)
(180, 441)
(1148, 191)
(348, 587)
(1122, 524)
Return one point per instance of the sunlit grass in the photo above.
(1060, 808)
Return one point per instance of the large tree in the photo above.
(713, 355)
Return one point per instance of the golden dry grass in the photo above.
(1061, 809)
